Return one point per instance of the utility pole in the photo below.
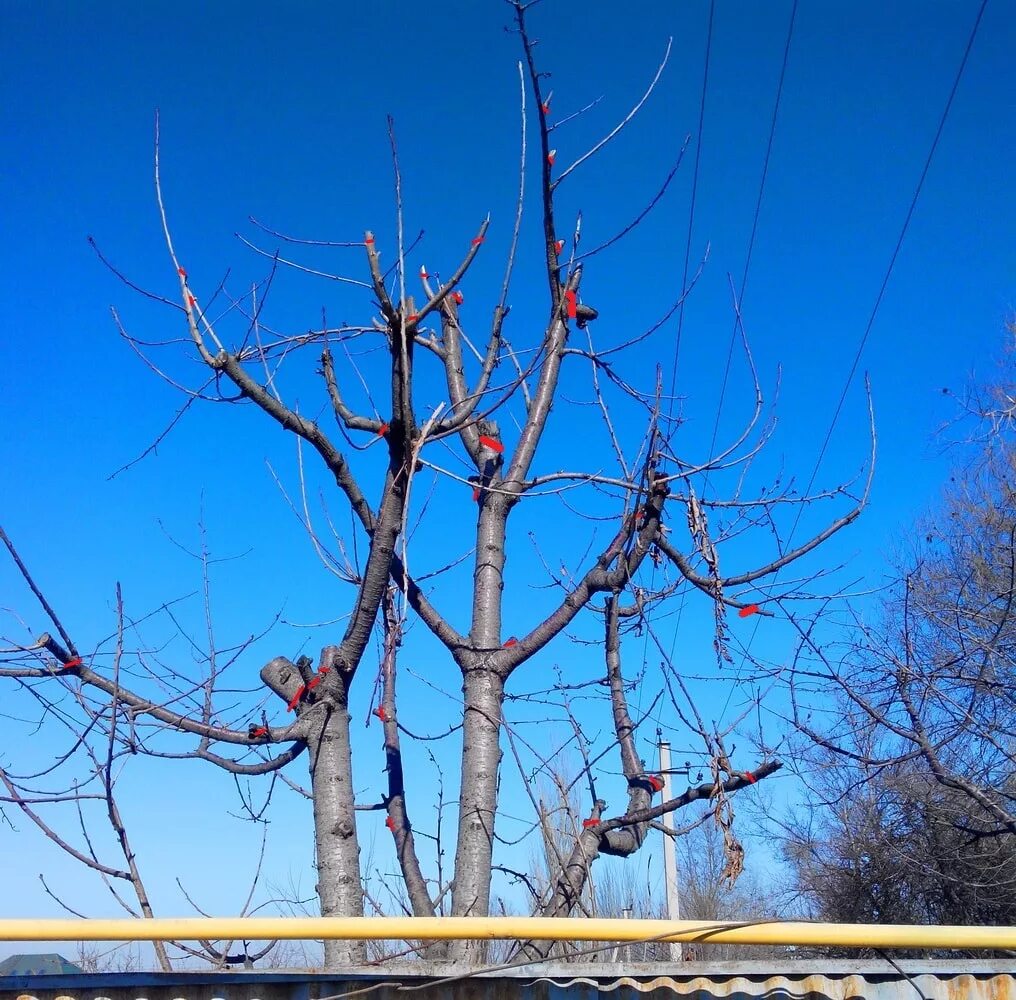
(670, 853)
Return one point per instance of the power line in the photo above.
(691, 210)
(895, 254)
(684, 279)
(754, 223)
(881, 293)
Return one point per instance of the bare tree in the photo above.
(104, 738)
(619, 889)
(927, 681)
(898, 847)
(912, 721)
(394, 462)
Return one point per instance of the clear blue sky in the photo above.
(278, 111)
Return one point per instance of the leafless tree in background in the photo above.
(913, 724)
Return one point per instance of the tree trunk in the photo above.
(338, 852)
(481, 759)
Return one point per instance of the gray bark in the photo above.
(481, 758)
(338, 851)
(398, 814)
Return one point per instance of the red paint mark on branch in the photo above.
(491, 443)
(423, 273)
(73, 662)
(751, 609)
(382, 431)
(390, 823)
(750, 778)
(369, 241)
(182, 273)
(191, 301)
(477, 240)
(458, 298)
(476, 495)
(588, 824)
(313, 683)
(558, 247)
(295, 700)
(572, 302)
(256, 732)
(656, 783)
(638, 517)
(551, 156)
(511, 642)
(323, 670)
(412, 319)
(545, 107)
(381, 713)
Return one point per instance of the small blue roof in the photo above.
(50, 964)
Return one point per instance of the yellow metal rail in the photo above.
(510, 928)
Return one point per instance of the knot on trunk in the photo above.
(343, 828)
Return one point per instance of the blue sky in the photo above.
(278, 112)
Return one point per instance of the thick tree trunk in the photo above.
(481, 758)
(338, 852)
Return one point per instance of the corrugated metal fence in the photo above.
(806, 980)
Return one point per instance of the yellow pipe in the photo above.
(511, 928)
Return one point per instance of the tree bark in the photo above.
(338, 851)
(481, 758)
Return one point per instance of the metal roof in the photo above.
(804, 980)
(47, 964)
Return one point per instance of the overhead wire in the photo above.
(754, 224)
(691, 208)
(684, 286)
(751, 243)
(895, 254)
(878, 298)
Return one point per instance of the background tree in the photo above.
(900, 848)
(915, 744)
(430, 415)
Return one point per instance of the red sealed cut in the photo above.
(558, 247)
(390, 823)
(323, 670)
(656, 782)
(751, 609)
(313, 683)
(551, 156)
(571, 301)
(491, 443)
(476, 494)
(588, 824)
(191, 301)
(295, 700)
(70, 664)
(545, 108)
(477, 240)
(511, 642)
(181, 272)
(412, 319)
(423, 272)
(255, 732)
(369, 241)
(381, 713)
(458, 298)
(383, 430)
(750, 778)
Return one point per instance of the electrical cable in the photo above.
(880, 296)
